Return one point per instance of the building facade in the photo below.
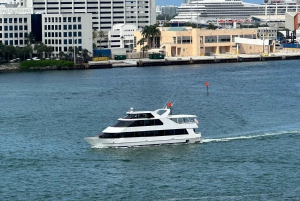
(105, 13)
(14, 29)
(186, 41)
(62, 31)
(121, 36)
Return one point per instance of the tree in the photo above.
(30, 38)
(141, 42)
(151, 32)
(122, 39)
(40, 49)
(48, 51)
(94, 37)
(85, 54)
(61, 55)
(211, 26)
(101, 35)
(71, 51)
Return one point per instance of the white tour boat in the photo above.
(144, 128)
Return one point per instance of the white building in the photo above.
(121, 36)
(105, 13)
(169, 10)
(14, 29)
(62, 31)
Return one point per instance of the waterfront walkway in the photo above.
(221, 58)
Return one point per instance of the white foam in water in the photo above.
(225, 139)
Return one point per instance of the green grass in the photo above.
(45, 63)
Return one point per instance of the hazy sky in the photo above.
(178, 2)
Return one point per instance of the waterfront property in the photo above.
(187, 41)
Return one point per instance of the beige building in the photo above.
(187, 41)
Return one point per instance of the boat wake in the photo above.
(244, 137)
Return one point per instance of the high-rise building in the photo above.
(105, 13)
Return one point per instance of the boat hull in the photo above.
(97, 142)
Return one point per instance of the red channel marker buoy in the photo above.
(206, 84)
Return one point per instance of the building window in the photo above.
(70, 27)
(65, 34)
(79, 26)
(45, 34)
(74, 19)
(11, 28)
(5, 28)
(21, 42)
(74, 26)
(75, 34)
(16, 35)
(79, 19)
(11, 35)
(69, 19)
(21, 35)
(70, 34)
(5, 21)
(64, 19)
(25, 27)
(79, 33)
(70, 41)
(5, 35)
(65, 49)
(20, 21)
(15, 20)
(65, 27)
(65, 41)
(10, 20)
(79, 41)
(45, 27)
(45, 20)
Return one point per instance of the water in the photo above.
(249, 123)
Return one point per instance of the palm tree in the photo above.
(70, 50)
(30, 38)
(211, 26)
(101, 36)
(40, 49)
(141, 42)
(85, 54)
(122, 39)
(151, 32)
(95, 34)
(61, 54)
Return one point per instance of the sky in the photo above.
(178, 2)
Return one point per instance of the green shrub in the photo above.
(45, 63)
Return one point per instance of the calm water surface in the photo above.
(249, 121)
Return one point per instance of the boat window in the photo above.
(145, 134)
(174, 119)
(123, 124)
(154, 122)
(169, 132)
(139, 116)
(160, 112)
